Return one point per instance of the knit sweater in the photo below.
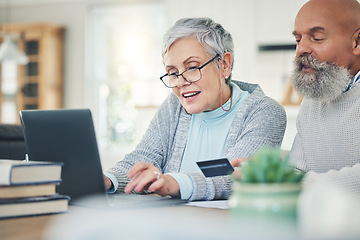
(260, 121)
(328, 140)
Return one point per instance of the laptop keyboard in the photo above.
(142, 200)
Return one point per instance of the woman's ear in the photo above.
(227, 63)
(356, 43)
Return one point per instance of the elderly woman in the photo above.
(207, 116)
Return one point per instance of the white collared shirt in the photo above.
(354, 81)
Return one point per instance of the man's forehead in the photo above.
(315, 29)
(331, 16)
(310, 20)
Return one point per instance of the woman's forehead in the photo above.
(183, 49)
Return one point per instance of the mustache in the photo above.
(308, 61)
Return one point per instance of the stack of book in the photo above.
(28, 188)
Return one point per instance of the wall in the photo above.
(251, 22)
(72, 16)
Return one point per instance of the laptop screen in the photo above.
(67, 136)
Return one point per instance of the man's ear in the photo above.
(356, 43)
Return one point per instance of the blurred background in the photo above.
(105, 55)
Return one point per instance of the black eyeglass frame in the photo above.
(181, 74)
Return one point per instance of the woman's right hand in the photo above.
(145, 176)
(107, 182)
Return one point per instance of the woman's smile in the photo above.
(190, 95)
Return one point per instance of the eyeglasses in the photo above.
(191, 75)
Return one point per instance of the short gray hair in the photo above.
(211, 35)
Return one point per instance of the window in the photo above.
(123, 70)
(9, 89)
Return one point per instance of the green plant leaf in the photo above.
(268, 166)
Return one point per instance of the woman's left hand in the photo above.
(145, 176)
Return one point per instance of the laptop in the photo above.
(68, 136)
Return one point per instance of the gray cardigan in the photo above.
(260, 121)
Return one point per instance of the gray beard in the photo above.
(327, 82)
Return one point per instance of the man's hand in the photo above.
(236, 163)
(145, 176)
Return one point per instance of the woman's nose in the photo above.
(181, 81)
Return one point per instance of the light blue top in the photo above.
(207, 137)
(114, 182)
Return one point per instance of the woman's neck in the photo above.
(226, 94)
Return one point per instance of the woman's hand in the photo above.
(145, 176)
(107, 182)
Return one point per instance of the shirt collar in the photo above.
(353, 81)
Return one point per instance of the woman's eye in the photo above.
(192, 68)
(172, 73)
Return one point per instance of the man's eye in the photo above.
(318, 37)
(297, 38)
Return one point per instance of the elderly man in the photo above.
(327, 74)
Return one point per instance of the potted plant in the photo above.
(266, 188)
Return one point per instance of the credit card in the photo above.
(216, 167)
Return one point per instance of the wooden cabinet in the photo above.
(40, 81)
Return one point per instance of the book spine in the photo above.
(53, 197)
(34, 183)
(5, 174)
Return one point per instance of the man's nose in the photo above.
(303, 48)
